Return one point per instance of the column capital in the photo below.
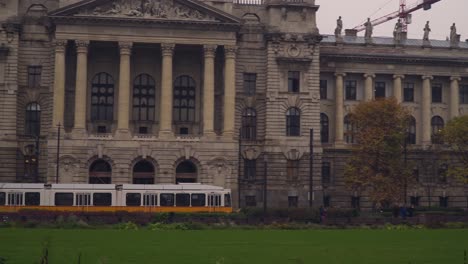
(369, 75)
(427, 77)
(82, 46)
(209, 50)
(125, 48)
(398, 76)
(455, 78)
(60, 45)
(340, 74)
(167, 49)
(230, 51)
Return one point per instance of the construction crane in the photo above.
(403, 13)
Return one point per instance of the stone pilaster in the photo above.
(397, 87)
(426, 110)
(124, 87)
(165, 120)
(368, 86)
(339, 109)
(81, 86)
(59, 83)
(454, 96)
(229, 89)
(208, 90)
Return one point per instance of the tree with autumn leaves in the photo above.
(456, 136)
(377, 166)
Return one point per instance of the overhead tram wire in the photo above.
(378, 10)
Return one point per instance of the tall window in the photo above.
(102, 97)
(292, 169)
(408, 92)
(349, 130)
(249, 124)
(34, 76)
(443, 201)
(100, 172)
(144, 90)
(355, 202)
(184, 99)
(411, 131)
(326, 173)
(437, 124)
(293, 122)
(250, 169)
(294, 81)
(324, 128)
(350, 90)
(380, 90)
(250, 83)
(464, 94)
(32, 124)
(323, 89)
(293, 201)
(437, 93)
(442, 172)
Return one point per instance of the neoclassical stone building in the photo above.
(219, 92)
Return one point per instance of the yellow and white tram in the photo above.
(184, 197)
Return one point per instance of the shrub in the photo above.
(127, 226)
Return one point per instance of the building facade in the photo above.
(228, 93)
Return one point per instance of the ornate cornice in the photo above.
(82, 46)
(455, 78)
(125, 48)
(60, 45)
(167, 49)
(230, 51)
(209, 50)
(398, 76)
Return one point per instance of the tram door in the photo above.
(214, 200)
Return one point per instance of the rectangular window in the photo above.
(414, 201)
(408, 92)
(150, 199)
(350, 90)
(443, 202)
(15, 199)
(356, 202)
(182, 199)
(326, 201)
(83, 199)
(250, 169)
(133, 199)
(198, 199)
(380, 90)
(2, 198)
(102, 199)
(292, 169)
(293, 201)
(325, 172)
(323, 89)
(250, 84)
(142, 130)
(64, 199)
(464, 94)
(167, 199)
(227, 200)
(294, 81)
(34, 76)
(250, 201)
(32, 198)
(102, 129)
(437, 93)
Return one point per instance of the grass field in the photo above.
(235, 246)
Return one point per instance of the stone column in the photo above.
(397, 87)
(339, 109)
(59, 83)
(368, 86)
(454, 96)
(426, 110)
(124, 87)
(165, 119)
(208, 90)
(81, 85)
(229, 89)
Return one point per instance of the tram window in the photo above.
(15, 199)
(32, 198)
(102, 199)
(167, 199)
(227, 200)
(182, 199)
(150, 199)
(65, 199)
(198, 199)
(83, 199)
(2, 198)
(133, 199)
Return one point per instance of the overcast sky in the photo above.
(355, 12)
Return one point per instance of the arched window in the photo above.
(437, 124)
(349, 130)
(324, 128)
(411, 139)
(100, 172)
(186, 171)
(144, 90)
(33, 120)
(143, 173)
(249, 124)
(102, 97)
(293, 122)
(184, 99)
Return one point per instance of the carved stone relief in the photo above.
(69, 168)
(220, 170)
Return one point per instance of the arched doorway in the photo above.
(100, 172)
(143, 172)
(186, 172)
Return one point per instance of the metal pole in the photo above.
(58, 155)
(265, 182)
(311, 167)
(38, 152)
(406, 170)
(239, 170)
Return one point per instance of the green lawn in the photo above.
(236, 246)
